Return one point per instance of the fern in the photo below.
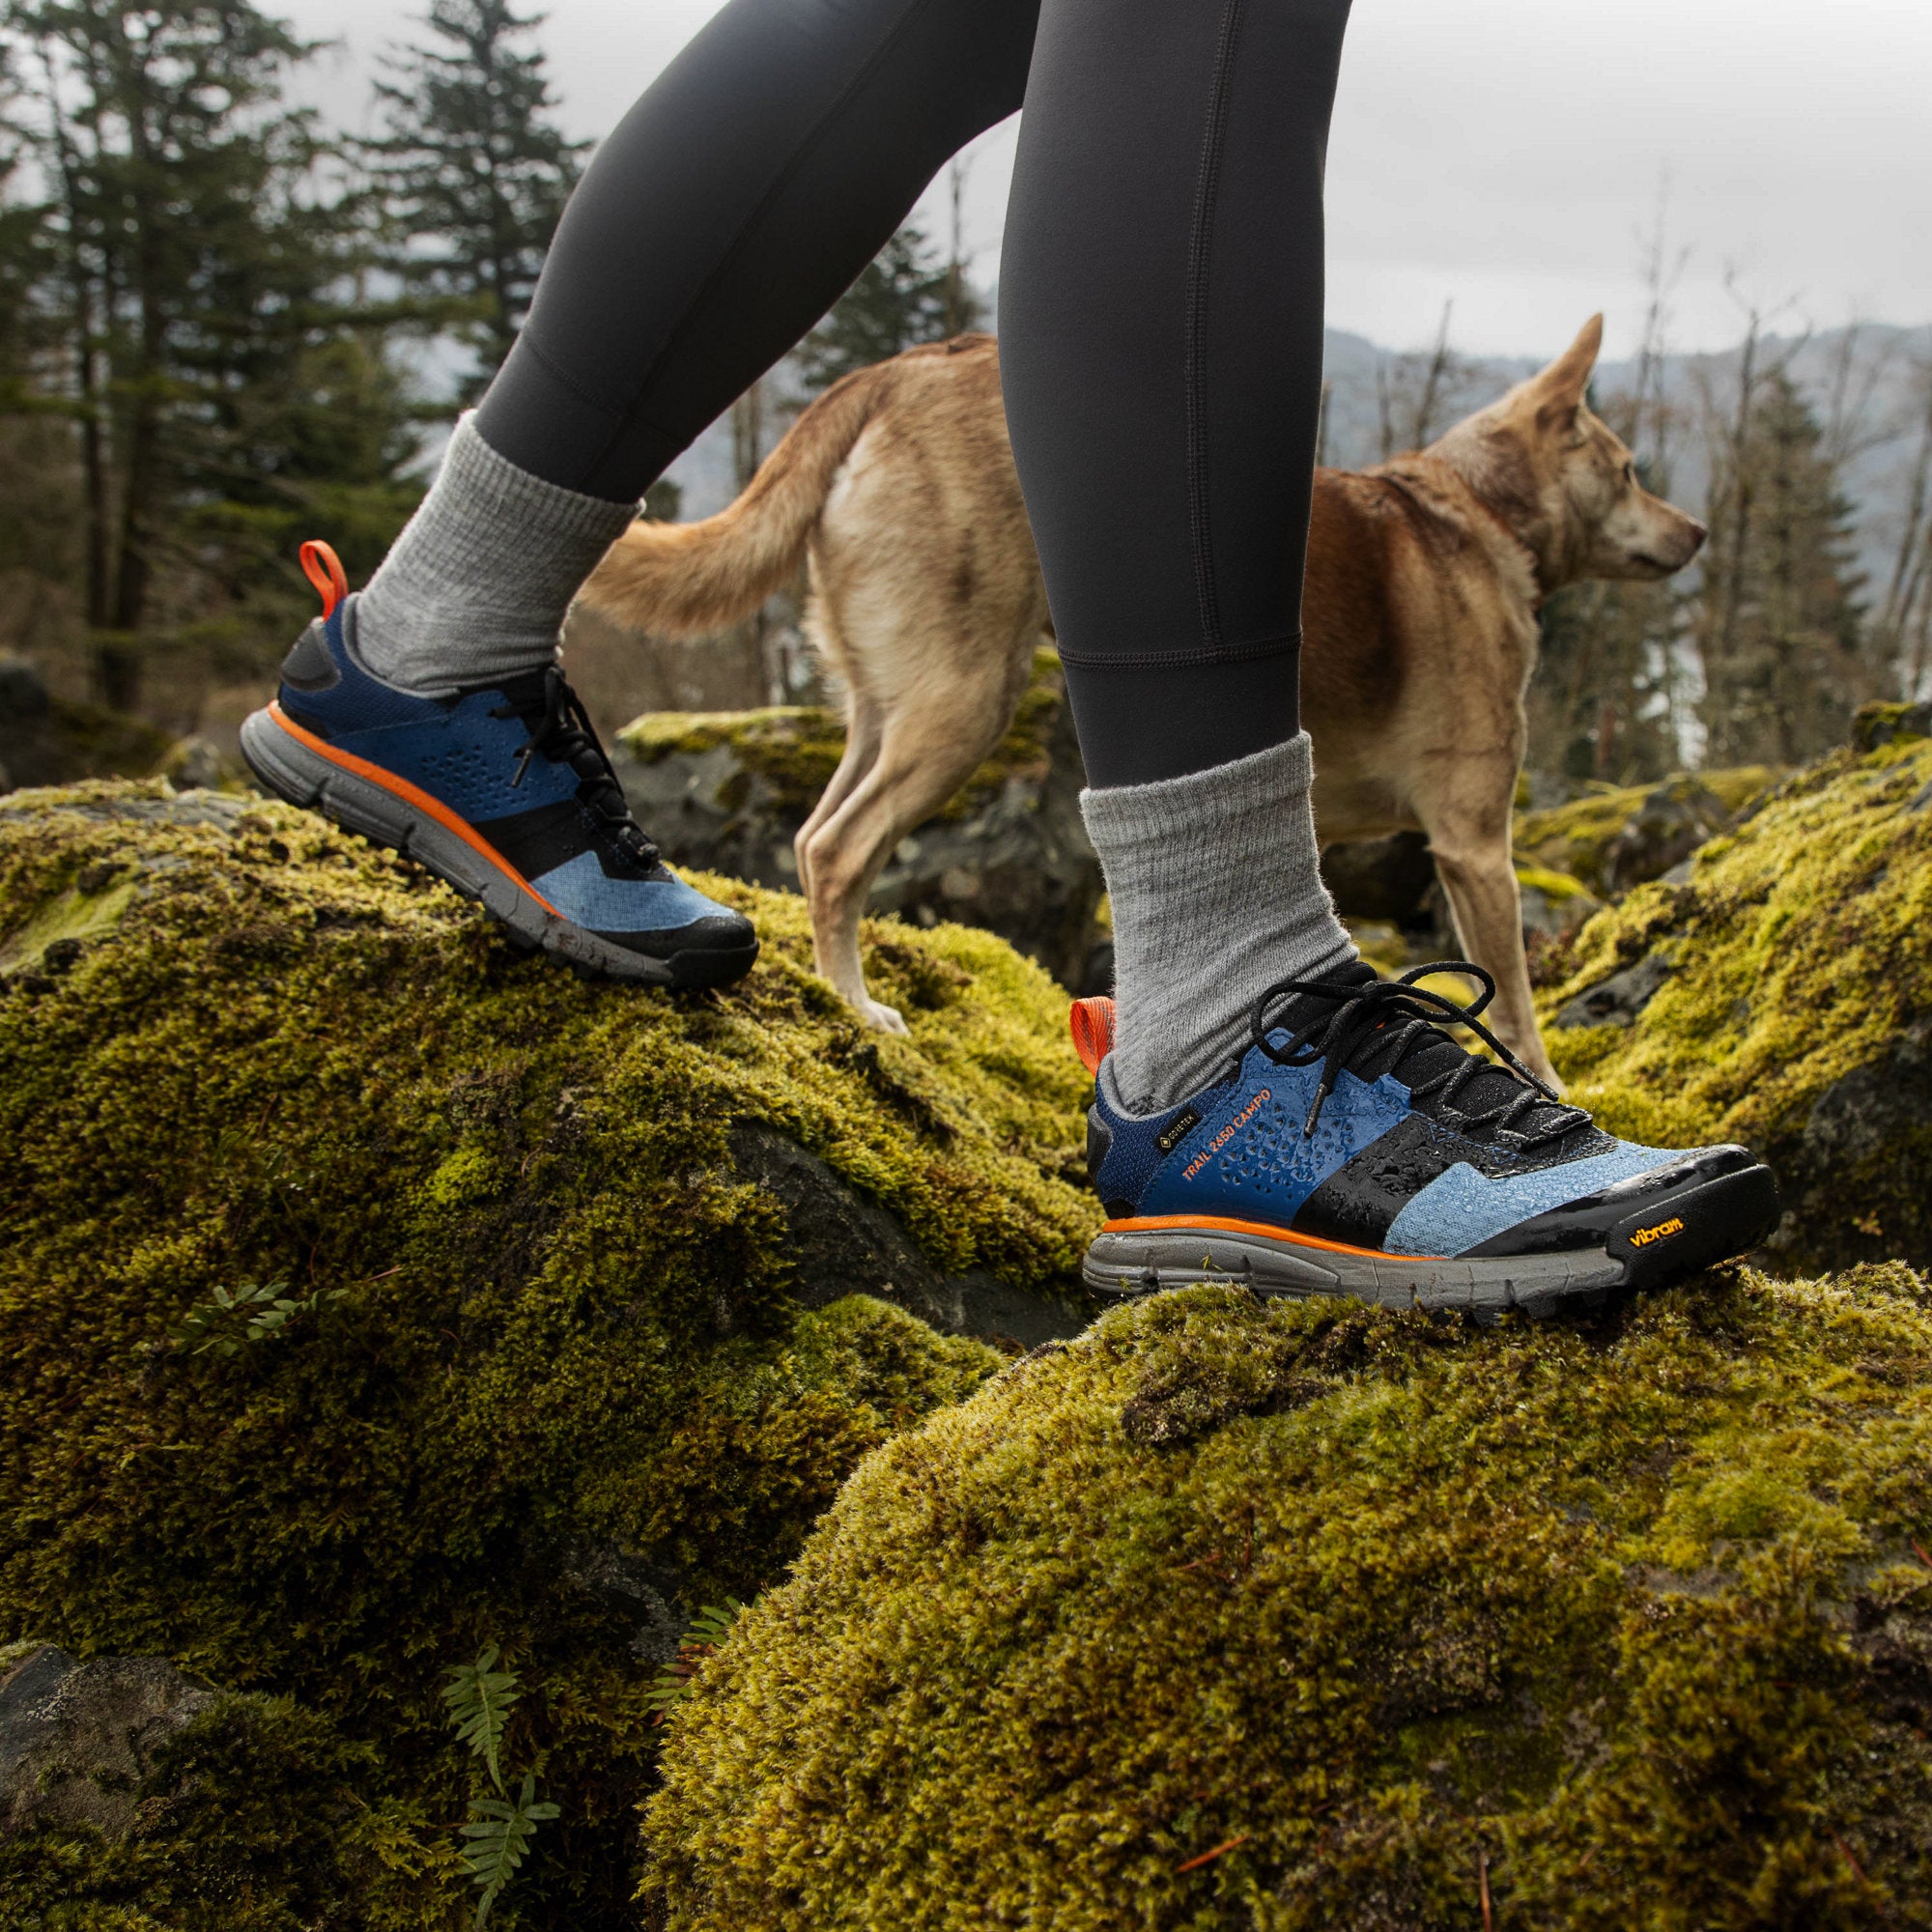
(479, 1697)
(499, 1834)
(709, 1629)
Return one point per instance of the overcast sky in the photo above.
(1507, 155)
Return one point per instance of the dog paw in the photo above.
(885, 1018)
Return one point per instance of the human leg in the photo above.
(1267, 1109)
(1161, 315)
(748, 189)
(728, 210)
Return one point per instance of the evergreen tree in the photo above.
(472, 172)
(1779, 626)
(191, 307)
(906, 295)
(1601, 703)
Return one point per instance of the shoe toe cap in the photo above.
(1641, 1203)
(709, 951)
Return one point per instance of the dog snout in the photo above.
(1695, 535)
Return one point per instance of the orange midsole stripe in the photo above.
(1214, 1225)
(411, 794)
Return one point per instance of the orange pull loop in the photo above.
(1091, 1025)
(324, 569)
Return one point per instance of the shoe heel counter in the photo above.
(1111, 1161)
(311, 666)
(1099, 1143)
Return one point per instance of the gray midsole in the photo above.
(1141, 1262)
(292, 771)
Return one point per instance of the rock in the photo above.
(1554, 905)
(1386, 891)
(1612, 840)
(571, 1347)
(28, 752)
(1330, 1618)
(1618, 1000)
(194, 764)
(728, 791)
(77, 1740)
(49, 741)
(1673, 821)
(842, 1245)
(1777, 997)
(1386, 879)
(1877, 725)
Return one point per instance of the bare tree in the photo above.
(962, 310)
(1899, 626)
(1418, 396)
(1608, 701)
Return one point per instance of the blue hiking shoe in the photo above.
(1355, 1149)
(504, 792)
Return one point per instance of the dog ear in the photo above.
(1561, 387)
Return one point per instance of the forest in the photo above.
(227, 325)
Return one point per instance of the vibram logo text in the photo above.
(1643, 1236)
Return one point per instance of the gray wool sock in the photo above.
(1216, 897)
(476, 586)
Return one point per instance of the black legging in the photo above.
(1160, 303)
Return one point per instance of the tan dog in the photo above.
(1424, 579)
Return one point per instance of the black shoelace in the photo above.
(1357, 1031)
(565, 735)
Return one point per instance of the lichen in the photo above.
(1793, 972)
(795, 748)
(1286, 1616)
(552, 1340)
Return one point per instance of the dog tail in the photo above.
(691, 579)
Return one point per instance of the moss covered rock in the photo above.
(1612, 839)
(728, 791)
(1877, 725)
(372, 1292)
(47, 740)
(1233, 1615)
(1782, 996)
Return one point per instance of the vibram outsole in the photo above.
(1663, 1243)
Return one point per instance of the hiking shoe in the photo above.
(1355, 1149)
(501, 790)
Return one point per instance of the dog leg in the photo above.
(861, 750)
(1479, 878)
(915, 774)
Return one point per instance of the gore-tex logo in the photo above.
(1177, 1131)
(1227, 1134)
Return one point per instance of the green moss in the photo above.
(1575, 839)
(793, 750)
(83, 912)
(1880, 724)
(564, 1372)
(1797, 960)
(1557, 886)
(1630, 1626)
(245, 1822)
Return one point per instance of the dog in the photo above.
(1425, 576)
